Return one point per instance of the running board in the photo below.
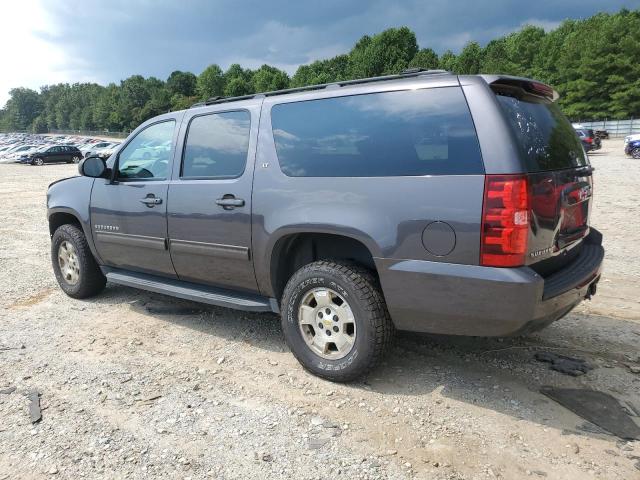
(192, 291)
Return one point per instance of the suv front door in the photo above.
(209, 211)
(129, 211)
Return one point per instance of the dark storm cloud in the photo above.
(120, 38)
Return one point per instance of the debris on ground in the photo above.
(34, 406)
(7, 391)
(599, 408)
(563, 364)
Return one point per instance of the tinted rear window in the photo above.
(414, 132)
(545, 137)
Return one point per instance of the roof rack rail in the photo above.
(410, 72)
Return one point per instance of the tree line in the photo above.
(593, 63)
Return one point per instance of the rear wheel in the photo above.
(635, 153)
(335, 320)
(75, 268)
(37, 161)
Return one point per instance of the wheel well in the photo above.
(294, 251)
(61, 218)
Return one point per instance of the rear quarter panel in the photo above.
(387, 214)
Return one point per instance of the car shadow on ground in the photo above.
(497, 374)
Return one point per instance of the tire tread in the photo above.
(367, 288)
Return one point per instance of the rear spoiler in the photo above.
(522, 87)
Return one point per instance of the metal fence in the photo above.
(616, 128)
(90, 133)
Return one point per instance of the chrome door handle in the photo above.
(151, 201)
(230, 202)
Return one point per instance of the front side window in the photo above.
(217, 145)
(403, 133)
(147, 156)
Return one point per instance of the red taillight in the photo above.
(588, 139)
(505, 221)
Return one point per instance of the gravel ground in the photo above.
(213, 393)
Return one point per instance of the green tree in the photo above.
(23, 106)
(322, 71)
(469, 60)
(448, 61)
(183, 83)
(268, 78)
(425, 58)
(385, 53)
(210, 83)
(238, 81)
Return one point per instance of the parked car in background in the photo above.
(589, 140)
(602, 134)
(107, 151)
(419, 202)
(90, 150)
(20, 152)
(632, 148)
(54, 154)
(632, 137)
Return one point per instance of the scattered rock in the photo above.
(316, 443)
(7, 391)
(633, 368)
(220, 360)
(34, 406)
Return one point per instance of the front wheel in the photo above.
(76, 270)
(75, 159)
(635, 153)
(335, 320)
(37, 162)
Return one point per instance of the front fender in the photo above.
(72, 196)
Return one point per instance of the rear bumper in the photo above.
(445, 298)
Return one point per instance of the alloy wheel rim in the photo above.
(327, 323)
(68, 263)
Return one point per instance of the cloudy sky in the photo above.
(50, 41)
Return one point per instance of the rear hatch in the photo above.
(559, 175)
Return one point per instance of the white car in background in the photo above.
(106, 152)
(629, 138)
(92, 149)
(20, 152)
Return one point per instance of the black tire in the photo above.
(372, 322)
(635, 153)
(91, 280)
(37, 162)
(75, 159)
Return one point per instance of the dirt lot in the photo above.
(212, 393)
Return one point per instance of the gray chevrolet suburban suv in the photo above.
(425, 201)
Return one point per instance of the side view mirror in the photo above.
(94, 167)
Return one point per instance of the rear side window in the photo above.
(412, 132)
(217, 145)
(545, 137)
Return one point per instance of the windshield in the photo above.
(546, 138)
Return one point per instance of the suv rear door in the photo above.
(129, 211)
(560, 177)
(209, 210)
